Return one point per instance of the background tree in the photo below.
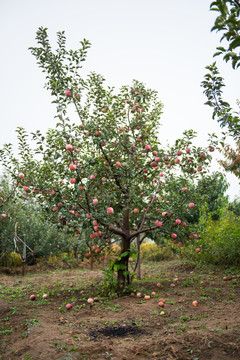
(228, 23)
(40, 235)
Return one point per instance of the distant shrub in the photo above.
(219, 240)
(154, 252)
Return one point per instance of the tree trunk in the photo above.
(123, 279)
(75, 250)
(138, 268)
(91, 260)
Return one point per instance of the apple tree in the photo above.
(106, 174)
(228, 24)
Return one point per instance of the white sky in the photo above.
(165, 44)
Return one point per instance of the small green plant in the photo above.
(28, 324)
(5, 332)
(112, 308)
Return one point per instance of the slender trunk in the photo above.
(122, 278)
(123, 275)
(138, 268)
(91, 260)
(75, 248)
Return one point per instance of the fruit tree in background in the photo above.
(228, 24)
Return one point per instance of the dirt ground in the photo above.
(126, 327)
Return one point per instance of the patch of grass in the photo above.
(185, 318)
(111, 322)
(112, 308)
(29, 324)
(182, 328)
(5, 332)
(179, 308)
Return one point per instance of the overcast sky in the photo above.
(165, 44)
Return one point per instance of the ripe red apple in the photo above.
(191, 205)
(92, 177)
(197, 250)
(32, 297)
(184, 189)
(4, 216)
(195, 303)
(21, 175)
(118, 164)
(177, 161)
(45, 296)
(158, 284)
(95, 201)
(188, 150)
(173, 235)
(161, 304)
(90, 301)
(139, 294)
(148, 147)
(153, 163)
(68, 93)
(136, 211)
(110, 210)
(68, 306)
(69, 147)
(73, 181)
(72, 167)
(87, 255)
(147, 297)
(178, 221)
(26, 188)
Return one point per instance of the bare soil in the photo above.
(125, 327)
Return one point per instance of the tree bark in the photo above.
(123, 279)
(138, 269)
(91, 260)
